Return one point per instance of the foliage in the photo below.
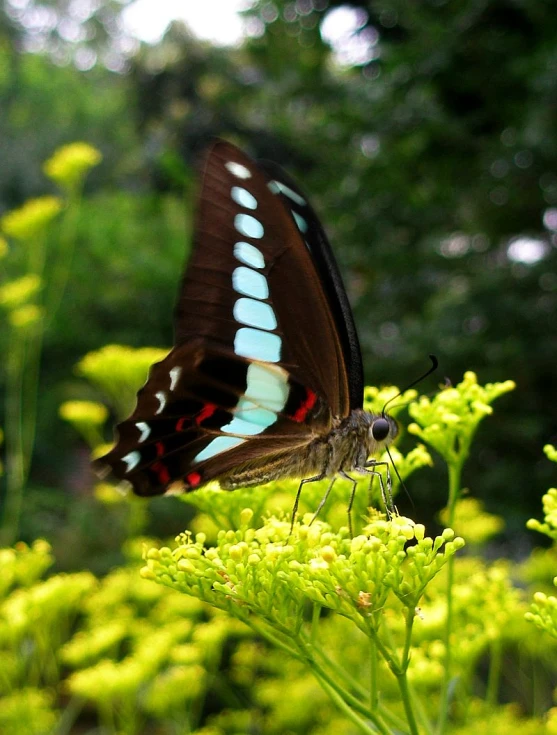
(544, 608)
(381, 623)
(30, 302)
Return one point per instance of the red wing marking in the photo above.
(180, 423)
(207, 410)
(306, 406)
(193, 479)
(160, 449)
(162, 472)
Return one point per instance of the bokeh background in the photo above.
(425, 136)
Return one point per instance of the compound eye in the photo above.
(380, 429)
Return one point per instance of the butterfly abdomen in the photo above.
(345, 448)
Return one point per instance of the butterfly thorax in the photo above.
(345, 448)
(353, 440)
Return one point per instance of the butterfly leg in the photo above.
(351, 501)
(386, 493)
(316, 478)
(323, 500)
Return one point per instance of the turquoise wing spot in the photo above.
(255, 414)
(255, 314)
(243, 197)
(278, 187)
(267, 386)
(218, 445)
(247, 225)
(257, 345)
(249, 255)
(248, 282)
(300, 222)
(245, 426)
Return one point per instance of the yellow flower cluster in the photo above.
(20, 291)
(32, 218)
(448, 421)
(84, 411)
(273, 574)
(69, 164)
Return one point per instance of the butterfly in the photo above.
(265, 380)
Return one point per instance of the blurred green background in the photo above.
(425, 135)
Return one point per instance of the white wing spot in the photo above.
(175, 376)
(162, 401)
(238, 170)
(145, 430)
(132, 460)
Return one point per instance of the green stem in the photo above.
(494, 673)
(349, 713)
(373, 690)
(455, 474)
(402, 680)
(347, 702)
(15, 459)
(403, 677)
(30, 383)
(315, 615)
(62, 265)
(395, 721)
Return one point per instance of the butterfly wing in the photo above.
(329, 274)
(258, 370)
(249, 269)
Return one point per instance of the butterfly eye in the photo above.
(380, 429)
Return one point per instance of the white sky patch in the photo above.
(343, 29)
(527, 250)
(217, 21)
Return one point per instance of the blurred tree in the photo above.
(424, 134)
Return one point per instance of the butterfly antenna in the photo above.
(433, 368)
(398, 475)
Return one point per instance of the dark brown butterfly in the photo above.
(265, 380)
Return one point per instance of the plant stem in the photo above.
(61, 268)
(15, 459)
(315, 615)
(373, 691)
(492, 692)
(455, 473)
(402, 681)
(350, 714)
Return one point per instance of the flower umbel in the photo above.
(87, 417)
(32, 218)
(543, 612)
(449, 421)
(69, 165)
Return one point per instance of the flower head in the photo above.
(272, 573)
(32, 218)
(20, 291)
(69, 164)
(449, 421)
